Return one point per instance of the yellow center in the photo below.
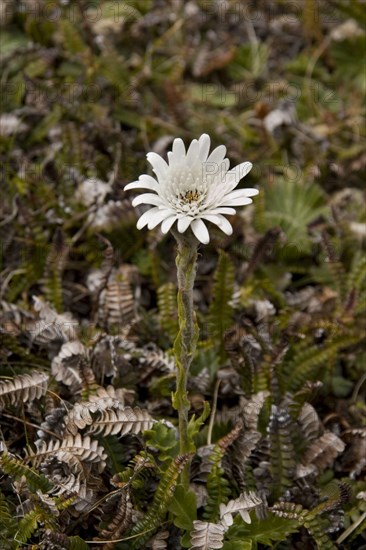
(189, 197)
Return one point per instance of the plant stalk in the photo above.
(186, 340)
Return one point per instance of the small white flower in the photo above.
(192, 187)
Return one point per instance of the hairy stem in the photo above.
(186, 340)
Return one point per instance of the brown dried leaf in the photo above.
(22, 388)
(207, 536)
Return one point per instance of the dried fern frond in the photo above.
(84, 448)
(80, 415)
(252, 408)
(241, 505)
(323, 451)
(355, 456)
(122, 422)
(22, 388)
(66, 365)
(121, 521)
(53, 424)
(52, 327)
(207, 536)
(117, 302)
(109, 215)
(309, 422)
(159, 541)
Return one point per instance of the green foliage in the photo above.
(158, 508)
(77, 543)
(262, 531)
(220, 311)
(184, 508)
(217, 485)
(292, 205)
(16, 468)
(306, 362)
(167, 303)
(8, 524)
(308, 519)
(164, 439)
(281, 451)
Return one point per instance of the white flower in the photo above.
(192, 187)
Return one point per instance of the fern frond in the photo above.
(55, 264)
(241, 505)
(281, 450)
(121, 519)
(167, 304)
(122, 422)
(217, 485)
(308, 364)
(307, 519)
(117, 305)
(106, 414)
(322, 452)
(22, 388)
(163, 495)
(206, 536)
(8, 524)
(160, 541)
(84, 448)
(65, 365)
(252, 409)
(220, 310)
(29, 523)
(17, 469)
(52, 326)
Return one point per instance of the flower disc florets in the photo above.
(192, 187)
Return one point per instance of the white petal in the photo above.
(147, 198)
(240, 201)
(153, 186)
(183, 223)
(222, 210)
(145, 178)
(145, 218)
(241, 170)
(241, 193)
(166, 225)
(159, 165)
(178, 148)
(220, 221)
(192, 153)
(204, 142)
(200, 231)
(217, 155)
(158, 217)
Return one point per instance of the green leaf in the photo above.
(220, 311)
(194, 424)
(264, 531)
(238, 545)
(292, 205)
(164, 439)
(76, 543)
(184, 508)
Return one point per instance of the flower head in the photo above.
(192, 188)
